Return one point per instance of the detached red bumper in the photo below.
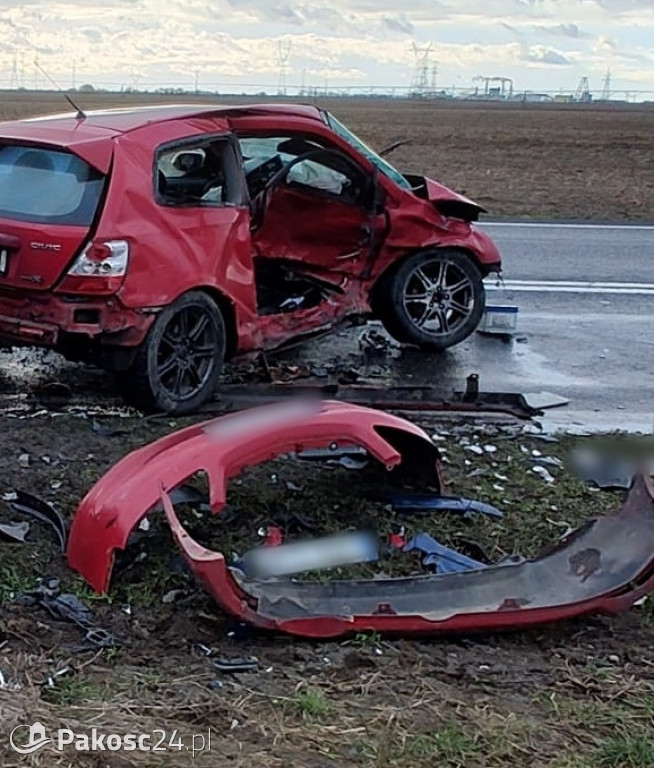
(222, 448)
(603, 566)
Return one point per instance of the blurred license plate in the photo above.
(3, 262)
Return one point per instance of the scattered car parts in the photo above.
(393, 398)
(415, 501)
(444, 559)
(28, 504)
(224, 446)
(15, 531)
(68, 607)
(604, 566)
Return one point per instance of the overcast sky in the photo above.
(226, 44)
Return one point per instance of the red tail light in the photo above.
(99, 270)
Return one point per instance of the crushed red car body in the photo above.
(603, 566)
(156, 242)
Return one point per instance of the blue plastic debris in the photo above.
(408, 502)
(444, 559)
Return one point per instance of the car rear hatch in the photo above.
(48, 202)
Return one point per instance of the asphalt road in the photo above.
(585, 330)
(585, 295)
(586, 309)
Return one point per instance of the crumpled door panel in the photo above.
(314, 229)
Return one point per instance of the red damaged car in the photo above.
(158, 241)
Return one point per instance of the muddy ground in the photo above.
(576, 695)
(531, 161)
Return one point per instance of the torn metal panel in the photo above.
(602, 567)
(222, 448)
(398, 398)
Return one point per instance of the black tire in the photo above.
(433, 299)
(177, 366)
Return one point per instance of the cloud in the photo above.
(541, 54)
(541, 44)
(399, 24)
(564, 30)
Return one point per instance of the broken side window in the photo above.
(323, 170)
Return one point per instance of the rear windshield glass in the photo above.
(48, 186)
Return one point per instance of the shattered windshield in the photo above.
(382, 165)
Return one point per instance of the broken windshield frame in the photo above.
(354, 141)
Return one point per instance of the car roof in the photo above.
(123, 120)
(91, 136)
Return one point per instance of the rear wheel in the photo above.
(434, 299)
(176, 368)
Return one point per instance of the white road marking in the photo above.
(564, 286)
(562, 225)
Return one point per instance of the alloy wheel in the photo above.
(186, 353)
(439, 296)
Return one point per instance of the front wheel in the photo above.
(177, 366)
(434, 299)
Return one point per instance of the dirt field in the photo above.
(577, 695)
(529, 161)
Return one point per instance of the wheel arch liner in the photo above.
(603, 566)
(222, 448)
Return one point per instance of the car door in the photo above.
(312, 204)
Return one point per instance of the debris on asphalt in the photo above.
(499, 320)
(375, 341)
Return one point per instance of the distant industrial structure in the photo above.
(493, 87)
(295, 82)
(425, 73)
